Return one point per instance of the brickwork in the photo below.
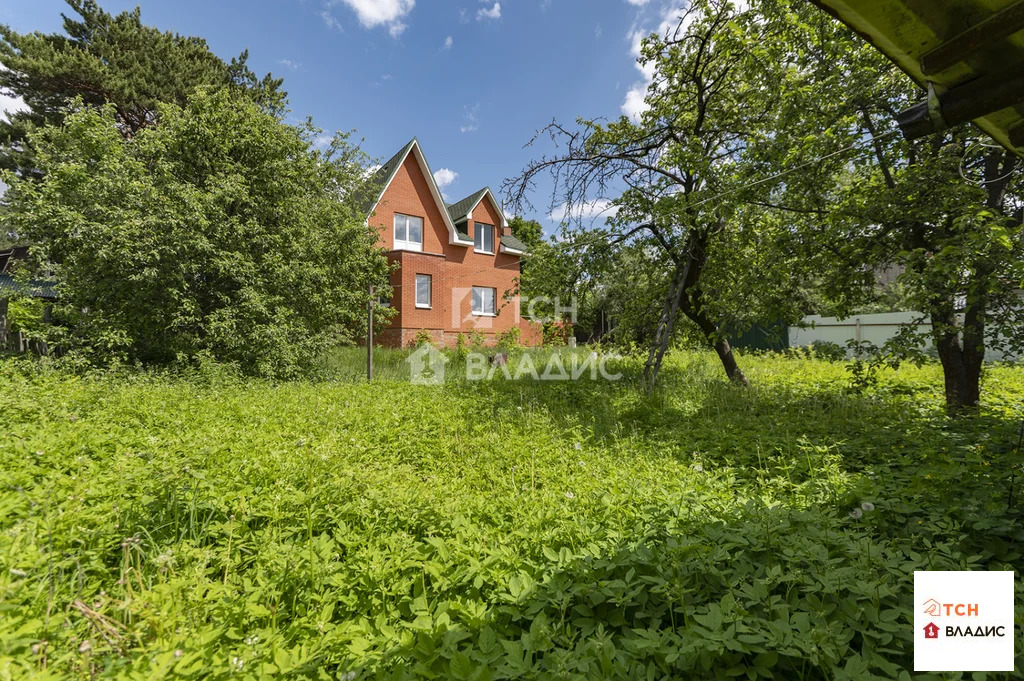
(454, 269)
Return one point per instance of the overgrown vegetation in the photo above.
(210, 526)
(221, 232)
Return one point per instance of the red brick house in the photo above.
(458, 262)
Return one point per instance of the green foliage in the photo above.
(25, 314)
(110, 59)
(556, 332)
(211, 526)
(220, 231)
(828, 351)
(461, 349)
(942, 211)
(510, 340)
(530, 232)
(423, 337)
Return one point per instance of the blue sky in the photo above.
(472, 79)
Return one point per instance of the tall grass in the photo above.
(209, 526)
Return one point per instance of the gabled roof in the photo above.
(462, 209)
(386, 174)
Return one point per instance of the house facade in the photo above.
(457, 264)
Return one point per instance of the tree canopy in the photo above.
(106, 59)
(219, 232)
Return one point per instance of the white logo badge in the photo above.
(963, 621)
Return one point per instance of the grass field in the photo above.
(207, 526)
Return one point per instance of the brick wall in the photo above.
(454, 269)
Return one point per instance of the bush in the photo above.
(509, 340)
(828, 351)
(218, 231)
(557, 332)
(423, 337)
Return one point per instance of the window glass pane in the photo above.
(400, 228)
(483, 237)
(415, 230)
(489, 303)
(478, 304)
(423, 289)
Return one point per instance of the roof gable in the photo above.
(386, 174)
(463, 209)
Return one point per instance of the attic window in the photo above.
(483, 238)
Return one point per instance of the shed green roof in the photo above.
(36, 288)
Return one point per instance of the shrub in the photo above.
(423, 337)
(556, 332)
(828, 351)
(508, 340)
(460, 345)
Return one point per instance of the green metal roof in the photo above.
(461, 208)
(970, 53)
(513, 243)
(36, 288)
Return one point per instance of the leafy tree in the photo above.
(118, 60)
(220, 232)
(530, 232)
(946, 209)
(714, 82)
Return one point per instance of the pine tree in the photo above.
(110, 59)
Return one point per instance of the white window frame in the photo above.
(478, 241)
(406, 244)
(430, 291)
(482, 310)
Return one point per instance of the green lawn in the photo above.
(205, 526)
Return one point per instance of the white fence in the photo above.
(872, 328)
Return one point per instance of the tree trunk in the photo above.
(720, 344)
(666, 325)
(961, 364)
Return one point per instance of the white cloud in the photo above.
(471, 121)
(289, 64)
(588, 210)
(444, 177)
(330, 21)
(638, 3)
(635, 105)
(448, 43)
(492, 13)
(374, 13)
(11, 104)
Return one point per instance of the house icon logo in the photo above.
(931, 630)
(426, 365)
(932, 607)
